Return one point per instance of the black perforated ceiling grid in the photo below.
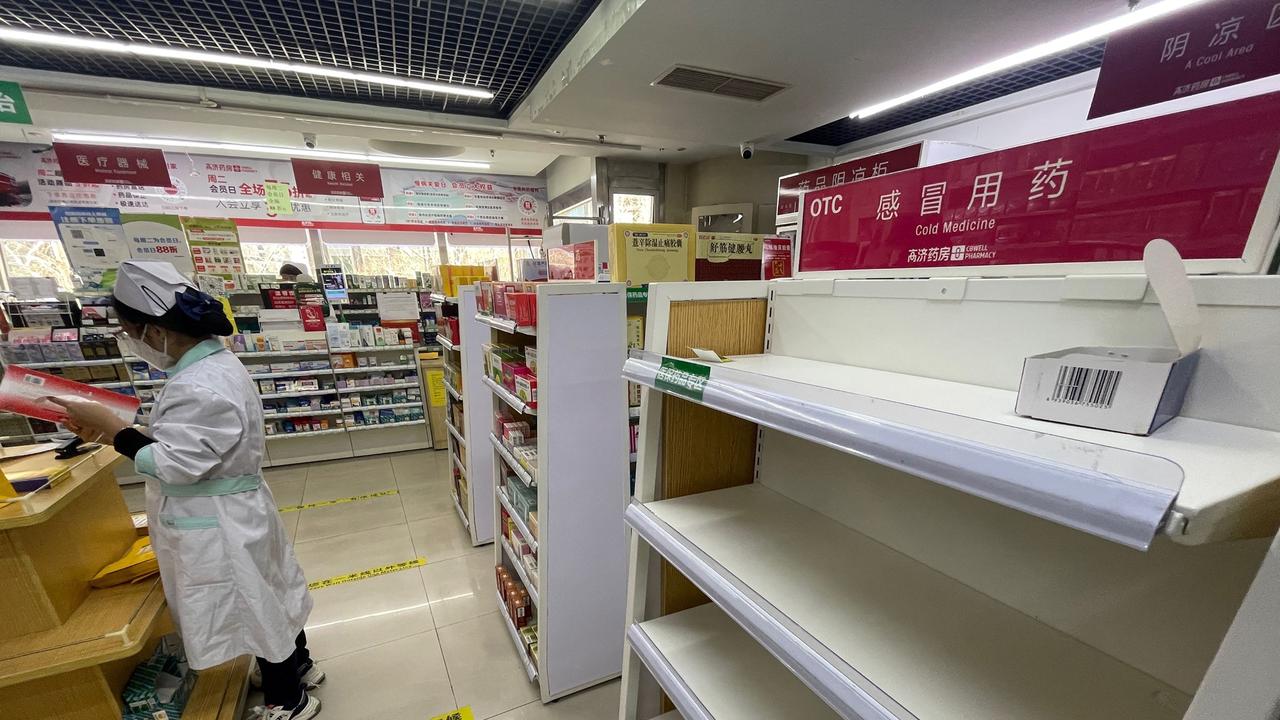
(846, 130)
(500, 45)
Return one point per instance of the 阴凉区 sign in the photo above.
(1195, 178)
(790, 187)
(13, 104)
(108, 165)
(1187, 53)
(338, 177)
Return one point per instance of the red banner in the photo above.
(791, 186)
(1195, 178)
(108, 165)
(338, 177)
(1189, 52)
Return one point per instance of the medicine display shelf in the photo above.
(461, 357)
(292, 447)
(1124, 488)
(914, 483)
(134, 383)
(581, 440)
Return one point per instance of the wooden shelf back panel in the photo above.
(702, 449)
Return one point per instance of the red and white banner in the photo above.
(1189, 52)
(790, 187)
(417, 200)
(338, 177)
(109, 165)
(1196, 178)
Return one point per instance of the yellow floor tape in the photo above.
(462, 713)
(366, 574)
(339, 501)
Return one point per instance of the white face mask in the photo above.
(158, 359)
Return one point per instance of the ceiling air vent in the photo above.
(683, 77)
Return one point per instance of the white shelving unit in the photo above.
(356, 440)
(467, 358)
(582, 482)
(896, 544)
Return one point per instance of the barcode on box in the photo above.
(1093, 387)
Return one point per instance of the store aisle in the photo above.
(414, 643)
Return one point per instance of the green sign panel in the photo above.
(638, 294)
(681, 377)
(278, 200)
(13, 105)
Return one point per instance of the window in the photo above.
(266, 258)
(577, 210)
(628, 208)
(37, 258)
(473, 251)
(399, 260)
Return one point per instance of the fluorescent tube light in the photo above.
(1045, 49)
(76, 42)
(180, 144)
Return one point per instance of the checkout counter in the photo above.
(66, 649)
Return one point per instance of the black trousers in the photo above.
(282, 681)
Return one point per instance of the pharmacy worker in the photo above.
(228, 568)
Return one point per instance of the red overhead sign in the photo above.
(1189, 52)
(1195, 178)
(338, 177)
(791, 186)
(109, 165)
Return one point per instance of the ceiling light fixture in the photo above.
(179, 144)
(1045, 49)
(164, 52)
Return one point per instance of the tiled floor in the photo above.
(417, 643)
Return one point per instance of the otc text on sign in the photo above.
(1194, 178)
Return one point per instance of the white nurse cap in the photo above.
(149, 286)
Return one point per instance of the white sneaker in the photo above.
(311, 679)
(307, 709)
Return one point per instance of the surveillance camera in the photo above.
(746, 150)
(309, 139)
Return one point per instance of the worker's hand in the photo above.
(92, 421)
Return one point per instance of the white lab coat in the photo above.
(233, 584)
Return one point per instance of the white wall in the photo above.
(731, 179)
(566, 173)
(1051, 110)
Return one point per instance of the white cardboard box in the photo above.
(1132, 390)
(1127, 389)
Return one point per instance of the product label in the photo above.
(681, 377)
(656, 256)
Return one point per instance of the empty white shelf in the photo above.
(1117, 486)
(445, 343)
(712, 670)
(525, 476)
(878, 635)
(509, 398)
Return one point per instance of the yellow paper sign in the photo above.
(278, 200)
(462, 713)
(435, 387)
(226, 310)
